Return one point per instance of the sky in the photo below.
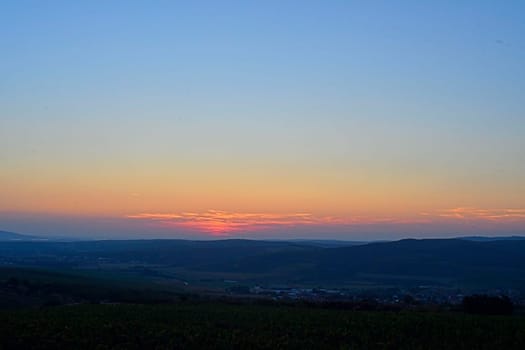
(262, 119)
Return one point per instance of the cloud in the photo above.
(469, 213)
(222, 222)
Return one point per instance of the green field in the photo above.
(246, 326)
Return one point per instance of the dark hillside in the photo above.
(450, 262)
(499, 263)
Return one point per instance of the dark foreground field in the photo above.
(226, 326)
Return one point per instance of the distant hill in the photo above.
(11, 236)
(327, 243)
(491, 239)
(172, 252)
(449, 263)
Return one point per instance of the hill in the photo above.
(489, 239)
(408, 263)
(11, 236)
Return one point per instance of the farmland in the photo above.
(252, 326)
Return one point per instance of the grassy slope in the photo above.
(37, 287)
(223, 326)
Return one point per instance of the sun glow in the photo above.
(224, 223)
(219, 222)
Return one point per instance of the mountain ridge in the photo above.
(12, 236)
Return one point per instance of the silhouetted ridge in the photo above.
(499, 263)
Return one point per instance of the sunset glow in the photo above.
(263, 120)
(221, 223)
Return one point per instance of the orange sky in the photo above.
(229, 201)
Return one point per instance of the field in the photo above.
(192, 295)
(251, 326)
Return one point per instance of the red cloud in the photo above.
(221, 222)
(483, 214)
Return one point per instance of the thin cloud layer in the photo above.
(467, 213)
(224, 223)
(219, 222)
